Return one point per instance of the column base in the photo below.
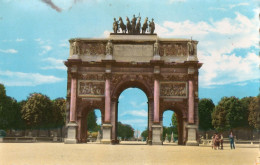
(156, 139)
(106, 135)
(71, 136)
(192, 138)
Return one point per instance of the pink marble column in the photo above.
(107, 101)
(156, 101)
(191, 102)
(73, 95)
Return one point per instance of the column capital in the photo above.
(157, 76)
(108, 76)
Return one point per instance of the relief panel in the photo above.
(173, 89)
(91, 88)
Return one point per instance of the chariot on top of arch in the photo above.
(133, 26)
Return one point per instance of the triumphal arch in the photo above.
(100, 69)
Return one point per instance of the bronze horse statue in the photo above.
(138, 26)
(122, 25)
(128, 26)
(145, 25)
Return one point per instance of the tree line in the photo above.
(229, 113)
(38, 111)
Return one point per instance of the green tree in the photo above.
(254, 108)
(92, 121)
(228, 114)
(206, 107)
(59, 112)
(10, 111)
(174, 124)
(37, 111)
(245, 102)
(144, 134)
(124, 131)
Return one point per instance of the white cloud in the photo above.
(239, 4)
(173, 1)
(9, 78)
(106, 33)
(54, 63)
(47, 47)
(218, 8)
(65, 45)
(135, 121)
(99, 120)
(19, 40)
(121, 97)
(217, 39)
(141, 113)
(45, 50)
(138, 105)
(226, 69)
(12, 51)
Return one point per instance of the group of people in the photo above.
(217, 141)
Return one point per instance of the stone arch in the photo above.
(180, 117)
(169, 80)
(120, 87)
(117, 90)
(84, 108)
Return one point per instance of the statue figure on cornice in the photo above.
(133, 21)
(151, 26)
(192, 48)
(75, 47)
(156, 48)
(109, 48)
(115, 25)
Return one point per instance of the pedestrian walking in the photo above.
(231, 138)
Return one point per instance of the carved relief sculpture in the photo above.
(91, 88)
(93, 48)
(172, 49)
(173, 89)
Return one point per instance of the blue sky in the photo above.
(34, 42)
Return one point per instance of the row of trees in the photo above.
(37, 112)
(229, 113)
(124, 131)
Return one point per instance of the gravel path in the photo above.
(69, 154)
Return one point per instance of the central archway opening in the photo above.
(132, 116)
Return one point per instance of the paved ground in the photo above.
(69, 154)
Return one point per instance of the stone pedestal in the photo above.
(157, 134)
(1, 139)
(191, 139)
(106, 138)
(71, 136)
